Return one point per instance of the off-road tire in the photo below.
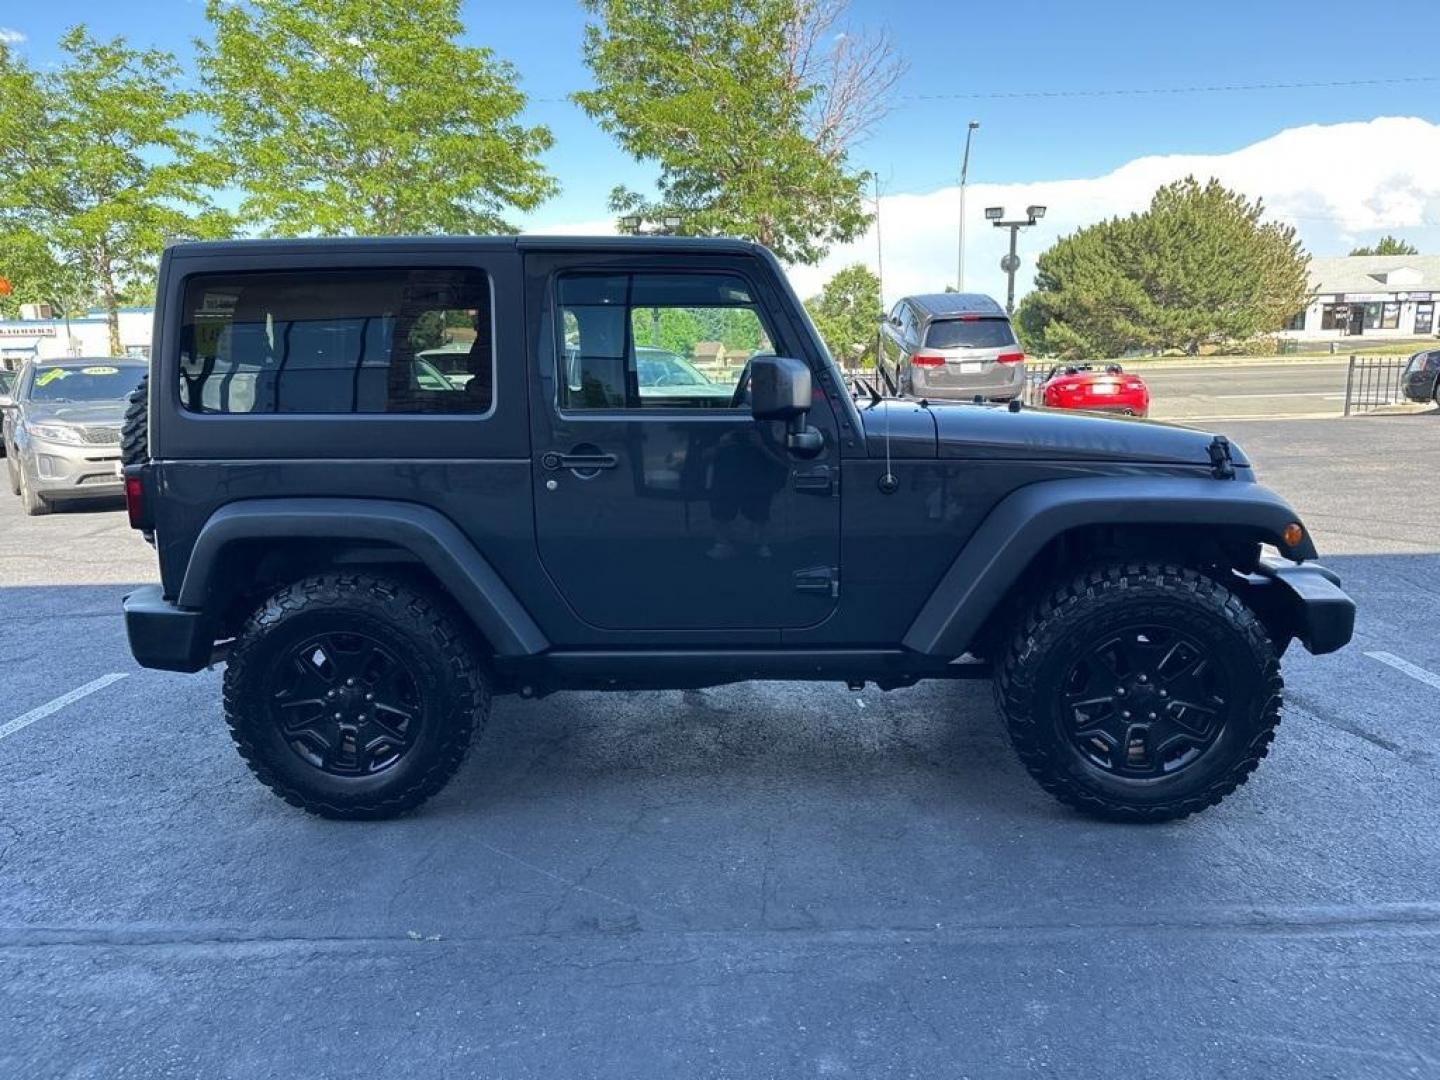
(455, 691)
(1028, 687)
(135, 430)
(34, 504)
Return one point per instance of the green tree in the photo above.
(99, 168)
(748, 109)
(349, 117)
(847, 313)
(1199, 267)
(1388, 245)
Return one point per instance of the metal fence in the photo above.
(1373, 381)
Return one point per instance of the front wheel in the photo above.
(353, 696)
(1140, 692)
(34, 503)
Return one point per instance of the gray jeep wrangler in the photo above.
(387, 479)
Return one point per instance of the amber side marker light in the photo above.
(1292, 534)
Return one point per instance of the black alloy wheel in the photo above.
(355, 695)
(347, 704)
(1144, 702)
(1140, 691)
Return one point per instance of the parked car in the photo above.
(1109, 389)
(1420, 381)
(373, 566)
(7, 386)
(62, 424)
(951, 346)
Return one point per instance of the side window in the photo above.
(338, 341)
(651, 340)
(907, 322)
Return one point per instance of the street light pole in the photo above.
(960, 237)
(1011, 262)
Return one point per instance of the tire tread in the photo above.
(1015, 691)
(393, 601)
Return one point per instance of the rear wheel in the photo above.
(354, 697)
(14, 474)
(1140, 692)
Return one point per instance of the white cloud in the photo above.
(1338, 184)
(11, 37)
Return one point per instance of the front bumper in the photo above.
(164, 636)
(1305, 599)
(65, 471)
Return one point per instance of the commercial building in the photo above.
(1372, 296)
(42, 335)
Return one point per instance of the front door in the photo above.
(660, 503)
(1357, 320)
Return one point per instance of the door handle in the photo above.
(553, 461)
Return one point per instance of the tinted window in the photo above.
(970, 334)
(7, 380)
(655, 340)
(344, 341)
(96, 381)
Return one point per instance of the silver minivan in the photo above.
(951, 345)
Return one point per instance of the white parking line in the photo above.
(1429, 678)
(24, 720)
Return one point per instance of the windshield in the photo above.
(970, 334)
(92, 382)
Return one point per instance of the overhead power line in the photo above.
(1225, 88)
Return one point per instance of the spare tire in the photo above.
(135, 431)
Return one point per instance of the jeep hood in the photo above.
(982, 432)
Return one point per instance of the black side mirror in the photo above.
(780, 390)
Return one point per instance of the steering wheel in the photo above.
(741, 397)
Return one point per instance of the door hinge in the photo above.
(819, 579)
(815, 481)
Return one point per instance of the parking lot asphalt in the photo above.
(754, 881)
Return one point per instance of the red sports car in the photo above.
(1079, 386)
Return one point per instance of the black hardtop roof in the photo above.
(941, 305)
(523, 242)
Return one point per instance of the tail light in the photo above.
(1134, 384)
(135, 502)
(927, 360)
(1011, 358)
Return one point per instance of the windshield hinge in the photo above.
(1221, 463)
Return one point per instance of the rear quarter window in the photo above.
(970, 334)
(344, 341)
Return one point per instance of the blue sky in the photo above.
(961, 47)
(1343, 163)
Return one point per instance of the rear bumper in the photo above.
(1001, 385)
(164, 636)
(1420, 386)
(1309, 600)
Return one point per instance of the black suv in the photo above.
(375, 544)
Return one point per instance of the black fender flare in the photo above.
(1023, 522)
(425, 533)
